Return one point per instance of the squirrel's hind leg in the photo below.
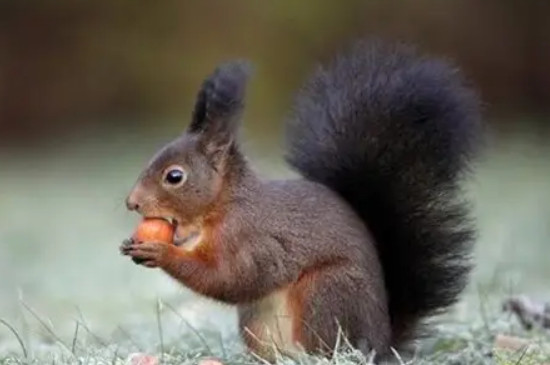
(338, 301)
(311, 313)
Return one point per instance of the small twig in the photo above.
(193, 329)
(75, 336)
(19, 339)
(523, 353)
(130, 338)
(97, 339)
(483, 312)
(222, 347)
(337, 344)
(83, 323)
(45, 325)
(371, 357)
(159, 325)
(397, 356)
(115, 356)
(313, 331)
(259, 358)
(24, 324)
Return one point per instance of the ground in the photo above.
(71, 299)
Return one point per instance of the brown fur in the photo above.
(298, 249)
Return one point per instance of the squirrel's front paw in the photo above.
(150, 254)
(125, 250)
(125, 246)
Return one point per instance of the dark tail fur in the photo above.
(393, 134)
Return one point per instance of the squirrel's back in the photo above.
(393, 134)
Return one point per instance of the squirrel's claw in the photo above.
(125, 246)
(148, 254)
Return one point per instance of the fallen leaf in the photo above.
(210, 362)
(510, 342)
(142, 359)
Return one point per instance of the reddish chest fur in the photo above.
(206, 249)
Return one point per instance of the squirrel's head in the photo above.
(186, 178)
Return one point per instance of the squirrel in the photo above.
(373, 238)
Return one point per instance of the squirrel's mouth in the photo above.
(185, 235)
(173, 221)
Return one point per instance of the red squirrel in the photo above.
(374, 237)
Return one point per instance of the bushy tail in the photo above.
(393, 134)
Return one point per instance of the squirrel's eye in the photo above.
(175, 175)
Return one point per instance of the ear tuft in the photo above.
(220, 100)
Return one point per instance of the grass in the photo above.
(452, 343)
(67, 297)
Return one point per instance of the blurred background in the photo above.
(89, 90)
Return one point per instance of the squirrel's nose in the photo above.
(132, 201)
(131, 204)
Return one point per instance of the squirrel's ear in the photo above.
(219, 106)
